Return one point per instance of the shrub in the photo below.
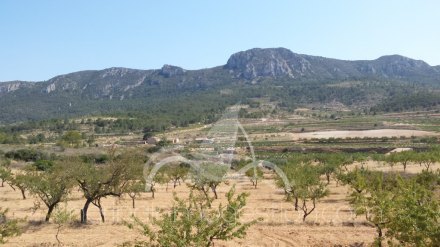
(192, 222)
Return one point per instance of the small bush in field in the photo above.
(192, 222)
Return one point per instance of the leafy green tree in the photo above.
(73, 138)
(134, 188)
(43, 165)
(305, 187)
(376, 204)
(27, 155)
(37, 139)
(208, 176)
(20, 181)
(5, 172)
(254, 174)
(135, 183)
(161, 177)
(193, 222)
(403, 210)
(329, 163)
(51, 187)
(427, 158)
(416, 215)
(404, 158)
(100, 181)
(177, 173)
(429, 180)
(310, 191)
(358, 179)
(8, 227)
(361, 158)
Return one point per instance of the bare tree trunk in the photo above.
(84, 211)
(97, 203)
(379, 236)
(101, 213)
(214, 189)
(307, 212)
(23, 193)
(49, 212)
(205, 192)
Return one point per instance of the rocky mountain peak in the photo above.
(171, 71)
(403, 61)
(273, 62)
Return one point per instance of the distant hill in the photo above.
(281, 62)
(173, 92)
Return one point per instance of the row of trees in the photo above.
(426, 159)
(122, 174)
(403, 210)
(118, 175)
(383, 199)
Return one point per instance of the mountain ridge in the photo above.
(249, 73)
(394, 58)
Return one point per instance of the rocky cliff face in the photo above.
(273, 63)
(96, 84)
(396, 66)
(7, 87)
(278, 62)
(171, 71)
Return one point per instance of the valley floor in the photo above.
(332, 223)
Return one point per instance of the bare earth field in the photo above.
(376, 133)
(332, 223)
(363, 133)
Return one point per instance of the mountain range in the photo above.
(247, 74)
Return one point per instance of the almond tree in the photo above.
(254, 174)
(161, 177)
(329, 163)
(193, 222)
(8, 227)
(208, 176)
(134, 189)
(416, 215)
(177, 173)
(51, 187)
(427, 159)
(310, 190)
(100, 181)
(5, 171)
(18, 181)
(305, 187)
(375, 203)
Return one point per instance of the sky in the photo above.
(44, 38)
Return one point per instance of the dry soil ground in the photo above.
(332, 223)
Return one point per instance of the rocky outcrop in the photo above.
(281, 62)
(277, 62)
(7, 87)
(171, 71)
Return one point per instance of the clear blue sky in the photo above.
(44, 38)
